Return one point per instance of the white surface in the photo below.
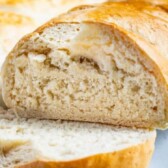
(160, 158)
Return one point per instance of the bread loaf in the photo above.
(100, 63)
(61, 144)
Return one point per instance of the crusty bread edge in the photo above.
(138, 156)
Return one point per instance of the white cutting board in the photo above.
(160, 158)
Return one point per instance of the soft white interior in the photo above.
(83, 72)
(22, 141)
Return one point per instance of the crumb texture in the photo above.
(83, 72)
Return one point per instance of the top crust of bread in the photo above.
(156, 2)
(153, 60)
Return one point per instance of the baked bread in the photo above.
(62, 144)
(92, 64)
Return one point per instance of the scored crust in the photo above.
(134, 157)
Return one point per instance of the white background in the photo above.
(160, 157)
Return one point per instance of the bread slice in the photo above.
(62, 144)
(80, 66)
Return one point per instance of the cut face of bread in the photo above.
(12, 28)
(84, 71)
(73, 144)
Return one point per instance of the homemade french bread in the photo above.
(99, 63)
(61, 144)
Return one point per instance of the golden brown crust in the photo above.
(165, 7)
(154, 10)
(156, 2)
(134, 157)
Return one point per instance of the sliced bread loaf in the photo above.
(81, 66)
(60, 144)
